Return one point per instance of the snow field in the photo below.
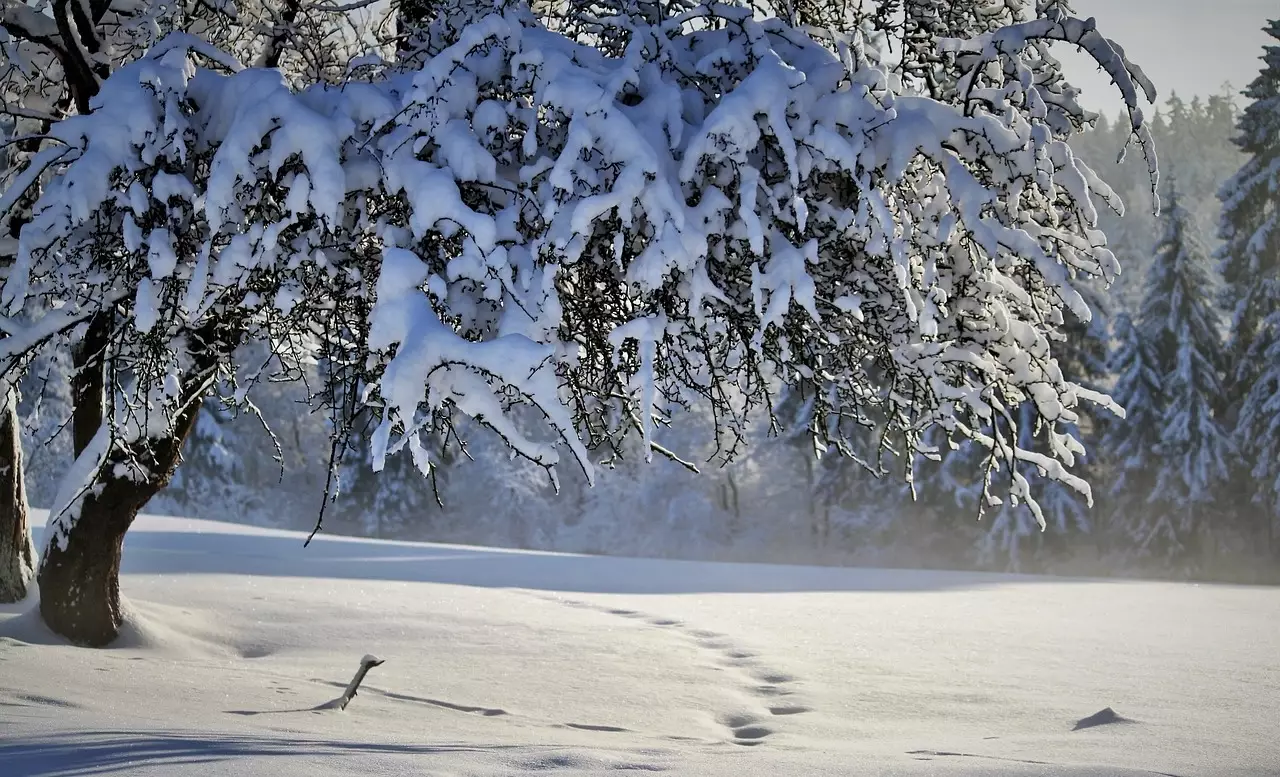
(503, 662)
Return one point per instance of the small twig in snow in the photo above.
(340, 703)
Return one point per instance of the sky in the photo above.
(1192, 47)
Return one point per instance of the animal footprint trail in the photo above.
(763, 681)
(751, 672)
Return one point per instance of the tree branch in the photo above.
(81, 80)
(24, 22)
(344, 8)
(281, 34)
(27, 113)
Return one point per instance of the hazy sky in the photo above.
(1192, 47)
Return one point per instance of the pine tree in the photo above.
(1199, 135)
(1257, 434)
(1179, 321)
(397, 501)
(1250, 257)
(210, 481)
(1250, 254)
(1130, 444)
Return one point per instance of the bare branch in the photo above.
(27, 113)
(343, 8)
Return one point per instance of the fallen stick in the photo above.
(340, 703)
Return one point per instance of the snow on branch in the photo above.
(24, 21)
(708, 208)
(1004, 44)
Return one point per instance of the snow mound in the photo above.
(147, 627)
(1102, 717)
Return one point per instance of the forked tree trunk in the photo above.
(79, 574)
(17, 554)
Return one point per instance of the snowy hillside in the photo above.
(502, 663)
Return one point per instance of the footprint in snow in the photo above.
(788, 709)
(745, 728)
(756, 678)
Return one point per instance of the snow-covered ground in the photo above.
(501, 663)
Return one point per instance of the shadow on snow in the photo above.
(150, 551)
(110, 752)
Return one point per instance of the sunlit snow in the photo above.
(502, 662)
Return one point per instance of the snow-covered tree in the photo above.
(1257, 434)
(1011, 537)
(55, 58)
(1250, 223)
(210, 481)
(1081, 354)
(1132, 445)
(1250, 256)
(1011, 527)
(1198, 134)
(397, 500)
(662, 212)
(1179, 321)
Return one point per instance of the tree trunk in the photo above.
(732, 504)
(79, 573)
(17, 554)
(80, 576)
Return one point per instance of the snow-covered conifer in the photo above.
(1198, 134)
(1250, 224)
(1257, 434)
(1250, 256)
(210, 481)
(1131, 444)
(1179, 323)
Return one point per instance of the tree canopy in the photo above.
(587, 218)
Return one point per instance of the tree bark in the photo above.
(80, 579)
(17, 554)
(79, 574)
